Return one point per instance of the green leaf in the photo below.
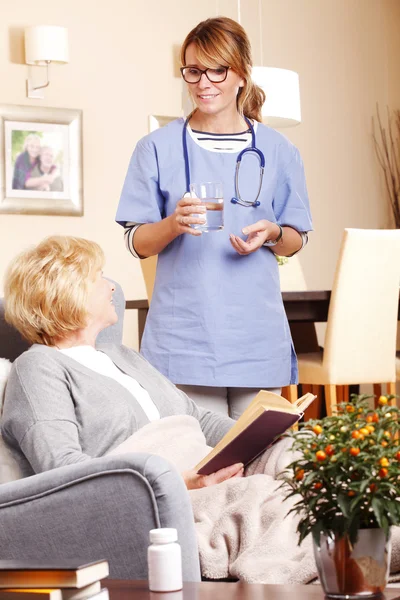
(344, 504)
(378, 510)
(316, 532)
(355, 502)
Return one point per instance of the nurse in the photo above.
(216, 325)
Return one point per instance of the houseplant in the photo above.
(345, 481)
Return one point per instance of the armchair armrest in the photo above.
(101, 508)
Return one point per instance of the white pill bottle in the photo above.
(164, 560)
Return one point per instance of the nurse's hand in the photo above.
(194, 481)
(188, 211)
(257, 234)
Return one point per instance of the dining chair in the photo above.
(360, 341)
(304, 335)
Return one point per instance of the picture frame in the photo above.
(41, 170)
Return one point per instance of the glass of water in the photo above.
(211, 195)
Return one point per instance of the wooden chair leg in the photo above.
(292, 393)
(377, 393)
(346, 396)
(314, 411)
(330, 399)
(391, 389)
(339, 394)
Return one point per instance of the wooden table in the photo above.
(301, 307)
(138, 590)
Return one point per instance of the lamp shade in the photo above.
(281, 86)
(45, 44)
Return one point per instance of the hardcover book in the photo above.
(89, 592)
(66, 573)
(266, 418)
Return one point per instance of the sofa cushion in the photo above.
(9, 467)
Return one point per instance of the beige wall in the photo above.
(346, 52)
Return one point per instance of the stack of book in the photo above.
(67, 579)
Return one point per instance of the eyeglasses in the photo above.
(193, 74)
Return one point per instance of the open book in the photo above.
(266, 418)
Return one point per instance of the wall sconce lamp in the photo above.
(44, 45)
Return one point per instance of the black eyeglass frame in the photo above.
(204, 71)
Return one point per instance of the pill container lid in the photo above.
(164, 535)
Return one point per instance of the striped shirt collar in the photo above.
(222, 142)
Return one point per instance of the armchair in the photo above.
(102, 508)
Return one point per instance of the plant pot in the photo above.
(359, 571)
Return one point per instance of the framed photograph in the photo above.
(40, 160)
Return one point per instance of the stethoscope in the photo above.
(237, 199)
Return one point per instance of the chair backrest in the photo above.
(360, 343)
(12, 344)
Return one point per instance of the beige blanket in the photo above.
(241, 524)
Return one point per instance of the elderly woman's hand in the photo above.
(195, 481)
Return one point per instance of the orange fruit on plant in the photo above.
(350, 408)
(397, 456)
(351, 493)
(383, 472)
(364, 431)
(317, 429)
(384, 443)
(320, 455)
(354, 451)
(299, 475)
(356, 434)
(318, 485)
(375, 418)
(382, 401)
(384, 462)
(329, 450)
(370, 428)
(373, 487)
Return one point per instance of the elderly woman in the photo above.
(26, 161)
(68, 400)
(45, 175)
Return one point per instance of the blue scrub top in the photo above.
(217, 318)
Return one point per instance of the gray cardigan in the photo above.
(58, 412)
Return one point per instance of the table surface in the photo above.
(308, 295)
(138, 590)
(303, 310)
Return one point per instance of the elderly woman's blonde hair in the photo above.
(46, 288)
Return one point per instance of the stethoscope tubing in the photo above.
(237, 199)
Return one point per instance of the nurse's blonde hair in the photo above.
(30, 138)
(222, 41)
(46, 288)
